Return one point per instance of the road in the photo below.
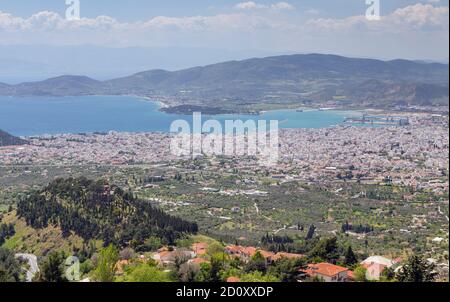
(32, 262)
(442, 213)
(256, 207)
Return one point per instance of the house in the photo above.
(200, 248)
(245, 253)
(375, 265)
(166, 257)
(327, 272)
(267, 255)
(234, 250)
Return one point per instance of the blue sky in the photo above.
(412, 29)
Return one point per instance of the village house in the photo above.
(200, 248)
(327, 272)
(375, 265)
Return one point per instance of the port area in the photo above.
(388, 120)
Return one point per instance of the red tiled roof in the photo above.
(266, 254)
(233, 279)
(250, 251)
(234, 249)
(325, 269)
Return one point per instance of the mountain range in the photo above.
(7, 139)
(307, 79)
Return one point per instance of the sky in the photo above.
(408, 29)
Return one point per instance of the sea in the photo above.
(33, 116)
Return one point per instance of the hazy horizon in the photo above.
(104, 63)
(113, 39)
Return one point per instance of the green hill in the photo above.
(96, 210)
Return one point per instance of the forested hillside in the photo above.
(98, 210)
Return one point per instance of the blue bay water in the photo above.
(27, 116)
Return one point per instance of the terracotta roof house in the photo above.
(267, 255)
(327, 272)
(249, 251)
(200, 248)
(234, 250)
(164, 257)
(233, 279)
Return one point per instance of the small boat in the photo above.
(299, 110)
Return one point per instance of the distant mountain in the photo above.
(59, 86)
(7, 139)
(4, 86)
(25, 63)
(312, 78)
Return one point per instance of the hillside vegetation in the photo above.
(97, 210)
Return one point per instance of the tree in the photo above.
(127, 253)
(52, 269)
(311, 231)
(215, 248)
(10, 270)
(153, 243)
(145, 273)
(216, 267)
(287, 270)
(417, 269)
(388, 274)
(258, 277)
(106, 264)
(360, 274)
(210, 272)
(350, 257)
(326, 249)
(188, 272)
(256, 263)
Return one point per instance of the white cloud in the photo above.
(282, 6)
(251, 5)
(416, 28)
(410, 18)
(47, 21)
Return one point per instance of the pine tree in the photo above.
(350, 257)
(52, 270)
(417, 269)
(311, 231)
